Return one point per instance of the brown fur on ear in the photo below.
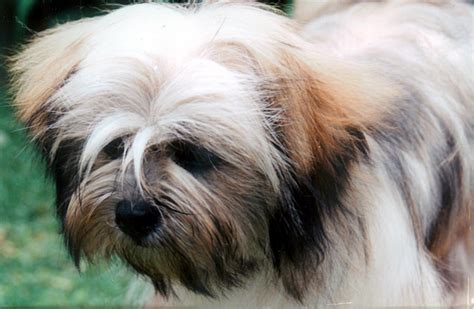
(321, 132)
(42, 68)
(326, 100)
(323, 98)
(326, 106)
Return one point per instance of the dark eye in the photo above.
(193, 158)
(114, 150)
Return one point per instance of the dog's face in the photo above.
(173, 169)
(173, 146)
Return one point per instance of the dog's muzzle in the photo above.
(137, 220)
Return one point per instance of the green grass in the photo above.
(34, 266)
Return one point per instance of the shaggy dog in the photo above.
(232, 156)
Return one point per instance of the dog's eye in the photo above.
(114, 150)
(193, 158)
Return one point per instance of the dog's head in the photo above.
(199, 146)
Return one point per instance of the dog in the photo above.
(233, 156)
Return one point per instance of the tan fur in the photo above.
(58, 50)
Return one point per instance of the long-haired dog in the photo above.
(231, 156)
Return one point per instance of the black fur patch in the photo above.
(63, 167)
(450, 173)
(298, 239)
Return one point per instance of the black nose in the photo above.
(137, 220)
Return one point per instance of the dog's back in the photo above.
(425, 48)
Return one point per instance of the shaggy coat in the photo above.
(287, 165)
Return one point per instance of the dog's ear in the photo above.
(42, 67)
(325, 105)
(327, 111)
(38, 72)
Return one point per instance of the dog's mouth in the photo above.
(146, 242)
(207, 277)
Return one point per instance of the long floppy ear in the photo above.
(326, 111)
(38, 72)
(42, 67)
(325, 105)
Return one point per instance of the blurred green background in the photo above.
(34, 266)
